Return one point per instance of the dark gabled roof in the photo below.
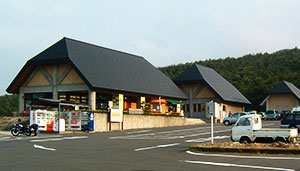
(218, 84)
(286, 88)
(105, 68)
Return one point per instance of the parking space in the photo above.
(184, 136)
(178, 133)
(39, 138)
(147, 149)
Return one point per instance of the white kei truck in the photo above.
(249, 128)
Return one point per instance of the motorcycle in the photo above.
(20, 129)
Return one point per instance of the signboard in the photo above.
(116, 115)
(211, 108)
(143, 102)
(178, 108)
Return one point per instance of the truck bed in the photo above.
(275, 132)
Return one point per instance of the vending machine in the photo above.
(47, 120)
(50, 119)
(67, 118)
(75, 121)
(39, 117)
(91, 121)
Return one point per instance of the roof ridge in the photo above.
(198, 69)
(222, 78)
(67, 48)
(133, 55)
(286, 81)
(199, 65)
(207, 82)
(288, 84)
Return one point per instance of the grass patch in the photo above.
(257, 148)
(6, 123)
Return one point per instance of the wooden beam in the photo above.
(31, 76)
(63, 75)
(183, 90)
(46, 74)
(195, 94)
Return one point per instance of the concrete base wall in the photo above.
(141, 122)
(101, 122)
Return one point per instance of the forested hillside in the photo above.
(253, 75)
(8, 104)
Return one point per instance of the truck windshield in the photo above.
(244, 122)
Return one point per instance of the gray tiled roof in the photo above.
(105, 68)
(222, 87)
(286, 88)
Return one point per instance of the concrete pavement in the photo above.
(148, 149)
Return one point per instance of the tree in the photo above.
(8, 105)
(254, 75)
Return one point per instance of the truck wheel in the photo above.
(245, 140)
(226, 123)
(280, 140)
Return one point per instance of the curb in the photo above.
(5, 133)
(245, 150)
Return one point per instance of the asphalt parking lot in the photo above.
(147, 149)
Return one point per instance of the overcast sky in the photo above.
(164, 32)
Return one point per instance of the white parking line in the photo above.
(158, 146)
(189, 129)
(236, 165)
(204, 133)
(165, 132)
(4, 138)
(11, 138)
(43, 148)
(207, 139)
(46, 140)
(244, 157)
(136, 132)
(59, 139)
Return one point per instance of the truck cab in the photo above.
(245, 126)
(249, 127)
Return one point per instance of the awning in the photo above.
(175, 102)
(56, 103)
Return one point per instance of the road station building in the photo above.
(106, 79)
(203, 85)
(284, 96)
(76, 71)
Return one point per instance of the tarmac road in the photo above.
(147, 149)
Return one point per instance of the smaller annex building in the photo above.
(203, 85)
(75, 71)
(284, 96)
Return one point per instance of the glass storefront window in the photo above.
(80, 97)
(30, 96)
(102, 101)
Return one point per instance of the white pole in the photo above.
(160, 104)
(212, 128)
(211, 112)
